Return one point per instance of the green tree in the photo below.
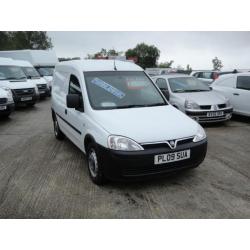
(25, 40)
(147, 55)
(189, 69)
(166, 64)
(217, 64)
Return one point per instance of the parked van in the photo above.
(34, 77)
(13, 77)
(115, 114)
(43, 61)
(6, 102)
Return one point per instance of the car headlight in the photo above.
(200, 134)
(191, 105)
(116, 142)
(9, 94)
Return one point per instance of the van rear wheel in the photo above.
(94, 165)
(57, 131)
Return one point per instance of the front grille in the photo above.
(222, 106)
(3, 100)
(24, 92)
(205, 107)
(41, 86)
(165, 145)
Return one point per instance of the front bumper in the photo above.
(122, 165)
(9, 108)
(201, 116)
(44, 93)
(19, 99)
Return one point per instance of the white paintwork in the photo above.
(206, 80)
(35, 57)
(147, 124)
(240, 98)
(201, 98)
(35, 81)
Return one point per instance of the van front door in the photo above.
(75, 116)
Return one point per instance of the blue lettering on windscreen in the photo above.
(109, 88)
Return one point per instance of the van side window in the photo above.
(243, 82)
(161, 83)
(74, 87)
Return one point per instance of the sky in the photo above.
(194, 48)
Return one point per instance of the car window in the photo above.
(11, 73)
(187, 84)
(207, 75)
(243, 82)
(74, 87)
(121, 89)
(161, 83)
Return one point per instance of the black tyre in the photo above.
(95, 165)
(57, 131)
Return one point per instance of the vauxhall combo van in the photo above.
(115, 114)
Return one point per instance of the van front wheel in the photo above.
(57, 131)
(94, 165)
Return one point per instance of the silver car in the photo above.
(195, 98)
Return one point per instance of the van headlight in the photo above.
(200, 134)
(116, 142)
(9, 94)
(191, 105)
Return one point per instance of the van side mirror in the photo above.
(73, 101)
(211, 88)
(165, 92)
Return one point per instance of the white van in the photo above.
(115, 114)
(6, 102)
(34, 77)
(43, 61)
(13, 77)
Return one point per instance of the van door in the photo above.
(242, 94)
(75, 117)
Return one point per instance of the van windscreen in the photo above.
(121, 89)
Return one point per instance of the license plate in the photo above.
(215, 114)
(26, 98)
(42, 92)
(172, 157)
(3, 107)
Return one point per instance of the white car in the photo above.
(195, 98)
(235, 87)
(12, 77)
(6, 102)
(115, 114)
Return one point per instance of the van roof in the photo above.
(23, 63)
(7, 61)
(101, 65)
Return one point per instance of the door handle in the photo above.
(66, 111)
(236, 94)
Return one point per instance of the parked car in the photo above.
(208, 76)
(115, 114)
(13, 77)
(6, 102)
(235, 87)
(43, 61)
(195, 98)
(34, 77)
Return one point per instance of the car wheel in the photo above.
(57, 131)
(94, 165)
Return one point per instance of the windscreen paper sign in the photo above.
(109, 88)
